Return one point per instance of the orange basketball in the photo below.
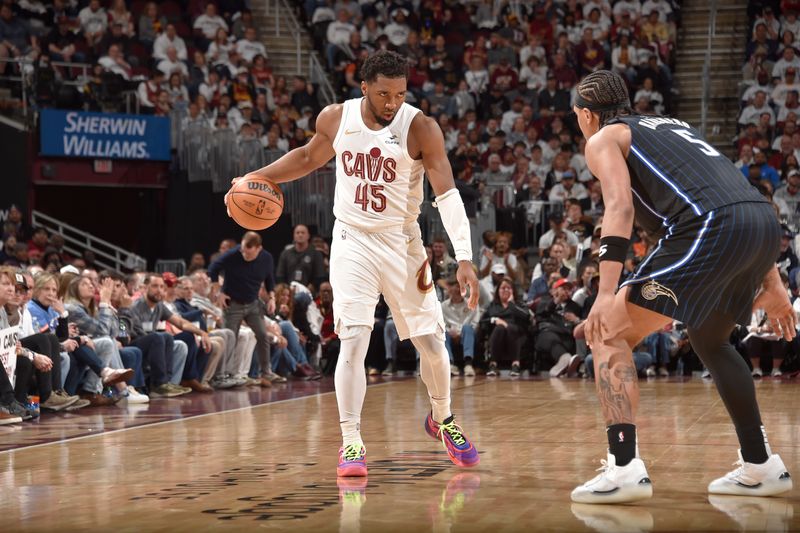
(255, 204)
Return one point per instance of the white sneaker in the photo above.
(776, 373)
(757, 373)
(749, 479)
(132, 396)
(616, 484)
(561, 366)
(706, 374)
(454, 371)
(469, 371)
(754, 513)
(650, 372)
(613, 518)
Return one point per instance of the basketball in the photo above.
(255, 204)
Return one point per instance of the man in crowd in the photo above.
(461, 323)
(158, 347)
(151, 311)
(236, 356)
(300, 262)
(247, 266)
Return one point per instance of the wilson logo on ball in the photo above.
(263, 187)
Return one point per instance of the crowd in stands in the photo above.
(97, 338)
(768, 144)
(498, 76)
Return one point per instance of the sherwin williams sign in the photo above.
(104, 135)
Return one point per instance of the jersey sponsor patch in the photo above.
(652, 290)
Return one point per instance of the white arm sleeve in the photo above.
(454, 218)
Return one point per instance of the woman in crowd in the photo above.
(151, 23)
(11, 314)
(48, 325)
(178, 93)
(261, 73)
(287, 351)
(48, 311)
(763, 344)
(119, 14)
(219, 50)
(508, 324)
(99, 321)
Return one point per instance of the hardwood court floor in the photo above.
(272, 466)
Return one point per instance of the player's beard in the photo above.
(378, 116)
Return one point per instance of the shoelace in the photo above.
(738, 472)
(352, 452)
(455, 432)
(605, 466)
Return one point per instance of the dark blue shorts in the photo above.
(715, 262)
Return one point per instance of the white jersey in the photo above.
(378, 184)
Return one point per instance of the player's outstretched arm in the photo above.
(430, 143)
(305, 159)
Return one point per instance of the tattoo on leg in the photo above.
(616, 384)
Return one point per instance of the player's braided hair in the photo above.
(384, 63)
(605, 93)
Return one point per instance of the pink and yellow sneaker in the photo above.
(352, 461)
(458, 446)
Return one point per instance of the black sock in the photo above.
(622, 442)
(751, 441)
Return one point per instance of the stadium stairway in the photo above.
(282, 46)
(727, 56)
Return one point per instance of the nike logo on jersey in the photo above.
(350, 132)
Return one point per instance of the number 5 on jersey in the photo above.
(704, 146)
(370, 195)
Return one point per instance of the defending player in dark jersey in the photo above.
(714, 262)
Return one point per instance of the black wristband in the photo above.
(613, 249)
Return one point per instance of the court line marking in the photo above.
(183, 419)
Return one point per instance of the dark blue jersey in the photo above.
(676, 175)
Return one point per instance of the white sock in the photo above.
(351, 381)
(434, 365)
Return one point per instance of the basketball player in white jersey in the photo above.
(383, 147)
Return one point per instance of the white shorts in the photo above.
(393, 263)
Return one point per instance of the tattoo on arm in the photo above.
(615, 386)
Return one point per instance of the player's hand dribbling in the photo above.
(234, 181)
(466, 278)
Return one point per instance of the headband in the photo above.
(583, 103)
